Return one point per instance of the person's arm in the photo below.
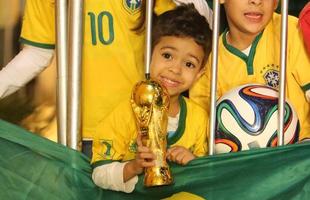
(27, 64)
(122, 176)
(144, 158)
(304, 25)
(38, 37)
(110, 147)
(299, 59)
(110, 176)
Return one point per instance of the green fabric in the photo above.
(33, 168)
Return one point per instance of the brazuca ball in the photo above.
(247, 118)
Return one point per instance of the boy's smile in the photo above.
(168, 82)
(176, 63)
(254, 17)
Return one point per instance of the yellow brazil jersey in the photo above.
(262, 66)
(116, 135)
(112, 51)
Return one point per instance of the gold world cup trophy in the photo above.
(150, 102)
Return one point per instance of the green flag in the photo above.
(33, 168)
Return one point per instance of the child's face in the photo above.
(249, 17)
(176, 63)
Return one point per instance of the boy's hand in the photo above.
(144, 158)
(179, 155)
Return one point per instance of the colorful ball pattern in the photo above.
(247, 118)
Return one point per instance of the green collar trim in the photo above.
(306, 87)
(247, 59)
(36, 44)
(181, 127)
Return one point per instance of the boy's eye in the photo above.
(189, 65)
(167, 55)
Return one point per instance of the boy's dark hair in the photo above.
(183, 21)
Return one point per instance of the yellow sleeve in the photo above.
(201, 146)
(112, 135)
(38, 28)
(200, 92)
(162, 6)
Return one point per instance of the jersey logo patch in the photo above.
(271, 75)
(132, 6)
(133, 147)
(106, 149)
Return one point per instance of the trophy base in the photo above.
(157, 176)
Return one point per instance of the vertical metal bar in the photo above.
(75, 61)
(148, 37)
(215, 38)
(62, 66)
(283, 59)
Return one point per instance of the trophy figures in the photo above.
(150, 103)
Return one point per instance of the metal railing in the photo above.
(213, 83)
(69, 60)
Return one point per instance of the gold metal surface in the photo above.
(150, 102)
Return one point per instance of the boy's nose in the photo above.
(256, 2)
(175, 68)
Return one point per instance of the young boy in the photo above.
(249, 52)
(181, 44)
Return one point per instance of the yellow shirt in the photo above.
(262, 66)
(112, 51)
(116, 135)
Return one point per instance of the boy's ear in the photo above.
(275, 5)
(200, 73)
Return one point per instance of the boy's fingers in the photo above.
(180, 157)
(142, 149)
(147, 156)
(139, 141)
(171, 153)
(175, 151)
(168, 156)
(148, 163)
(186, 160)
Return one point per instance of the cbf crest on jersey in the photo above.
(271, 75)
(132, 6)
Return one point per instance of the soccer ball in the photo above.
(247, 118)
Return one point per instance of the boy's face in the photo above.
(249, 17)
(176, 63)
